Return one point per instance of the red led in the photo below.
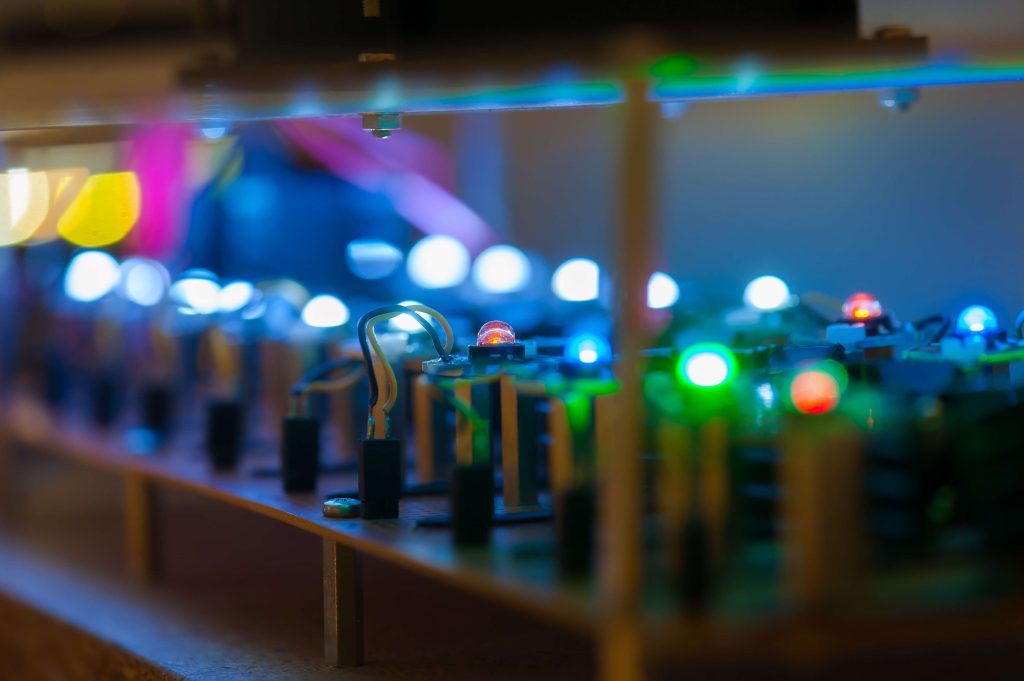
(814, 392)
(862, 306)
(495, 333)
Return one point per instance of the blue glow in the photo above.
(502, 269)
(213, 132)
(588, 348)
(747, 81)
(143, 281)
(438, 261)
(90, 276)
(977, 319)
(196, 295)
(577, 280)
(662, 291)
(324, 312)
(235, 296)
(372, 258)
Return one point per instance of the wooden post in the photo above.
(343, 605)
(822, 511)
(423, 428)
(621, 499)
(139, 520)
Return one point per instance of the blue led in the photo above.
(587, 348)
(977, 319)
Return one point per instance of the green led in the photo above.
(706, 365)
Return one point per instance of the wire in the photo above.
(392, 380)
(320, 371)
(361, 328)
(942, 320)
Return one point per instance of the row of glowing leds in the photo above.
(440, 261)
(92, 275)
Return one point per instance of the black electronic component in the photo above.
(157, 409)
(574, 524)
(300, 453)
(499, 352)
(380, 477)
(472, 504)
(224, 432)
(106, 399)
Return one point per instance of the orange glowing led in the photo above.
(814, 392)
(862, 306)
(495, 333)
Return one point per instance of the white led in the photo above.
(502, 269)
(325, 311)
(767, 293)
(90, 276)
(662, 291)
(577, 280)
(438, 262)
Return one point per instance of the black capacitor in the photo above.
(224, 428)
(380, 477)
(300, 453)
(472, 504)
(574, 529)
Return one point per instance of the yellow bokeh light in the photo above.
(104, 211)
(65, 184)
(24, 201)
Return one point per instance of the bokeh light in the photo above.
(104, 211)
(90, 276)
(587, 348)
(577, 280)
(235, 296)
(196, 294)
(372, 258)
(767, 293)
(502, 269)
(143, 281)
(814, 391)
(706, 365)
(24, 203)
(324, 312)
(438, 261)
(662, 291)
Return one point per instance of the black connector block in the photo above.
(472, 504)
(574, 530)
(224, 432)
(106, 399)
(300, 453)
(157, 410)
(380, 477)
(693, 578)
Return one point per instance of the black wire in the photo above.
(321, 370)
(942, 320)
(365, 346)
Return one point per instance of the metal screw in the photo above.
(381, 125)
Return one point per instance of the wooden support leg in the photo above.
(343, 605)
(140, 527)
